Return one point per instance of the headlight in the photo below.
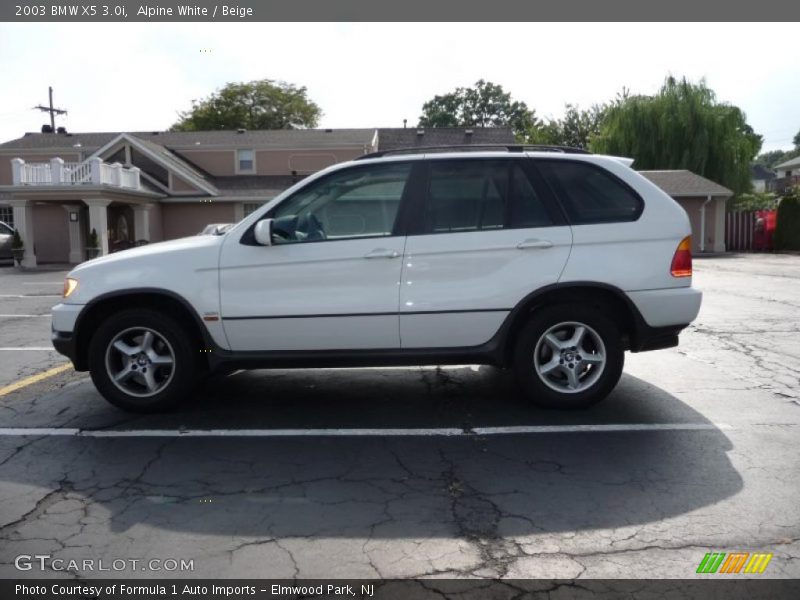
(70, 285)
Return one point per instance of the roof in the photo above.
(682, 183)
(263, 138)
(396, 138)
(760, 172)
(791, 163)
(256, 186)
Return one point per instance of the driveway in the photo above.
(415, 472)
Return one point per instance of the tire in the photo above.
(555, 374)
(120, 347)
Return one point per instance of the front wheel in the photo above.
(142, 361)
(568, 357)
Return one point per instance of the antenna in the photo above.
(53, 111)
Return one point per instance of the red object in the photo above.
(682, 259)
(764, 230)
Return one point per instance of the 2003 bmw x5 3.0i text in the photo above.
(548, 261)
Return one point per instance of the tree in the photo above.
(484, 105)
(796, 141)
(683, 126)
(263, 104)
(575, 129)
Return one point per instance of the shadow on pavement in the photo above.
(387, 487)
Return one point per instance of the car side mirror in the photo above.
(263, 232)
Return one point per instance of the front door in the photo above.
(330, 281)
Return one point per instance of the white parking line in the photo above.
(42, 283)
(22, 316)
(30, 295)
(442, 432)
(30, 348)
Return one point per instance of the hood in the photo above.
(198, 243)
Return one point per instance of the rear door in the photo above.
(485, 233)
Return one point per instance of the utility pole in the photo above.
(53, 111)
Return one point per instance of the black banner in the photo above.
(711, 588)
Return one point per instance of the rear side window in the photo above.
(480, 195)
(589, 193)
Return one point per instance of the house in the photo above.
(55, 188)
(761, 177)
(704, 202)
(787, 176)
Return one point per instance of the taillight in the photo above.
(682, 260)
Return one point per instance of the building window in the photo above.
(245, 161)
(7, 216)
(251, 207)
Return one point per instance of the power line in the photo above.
(53, 111)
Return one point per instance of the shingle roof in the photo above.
(396, 138)
(685, 183)
(256, 186)
(263, 138)
(792, 162)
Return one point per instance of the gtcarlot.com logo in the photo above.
(45, 562)
(734, 562)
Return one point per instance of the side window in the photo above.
(356, 202)
(466, 195)
(589, 193)
(526, 207)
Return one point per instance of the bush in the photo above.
(93, 242)
(787, 225)
(756, 201)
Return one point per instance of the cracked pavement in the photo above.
(590, 504)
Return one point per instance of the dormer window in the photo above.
(245, 161)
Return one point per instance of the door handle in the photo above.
(533, 243)
(382, 253)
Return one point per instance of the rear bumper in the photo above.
(669, 307)
(662, 315)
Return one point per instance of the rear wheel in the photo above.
(568, 357)
(143, 361)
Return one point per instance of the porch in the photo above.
(57, 204)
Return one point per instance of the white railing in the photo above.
(90, 172)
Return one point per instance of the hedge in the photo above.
(787, 226)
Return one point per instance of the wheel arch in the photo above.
(612, 301)
(164, 301)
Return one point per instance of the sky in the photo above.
(138, 76)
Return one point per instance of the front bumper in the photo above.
(64, 343)
(63, 330)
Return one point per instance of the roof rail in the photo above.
(476, 147)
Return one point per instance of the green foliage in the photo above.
(94, 241)
(484, 105)
(16, 241)
(576, 128)
(756, 201)
(683, 126)
(775, 157)
(787, 225)
(796, 141)
(263, 104)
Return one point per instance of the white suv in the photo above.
(549, 261)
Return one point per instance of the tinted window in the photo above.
(527, 208)
(473, 195)
(356, 202)
(589, 193)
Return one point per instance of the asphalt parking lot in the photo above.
(697, 450)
